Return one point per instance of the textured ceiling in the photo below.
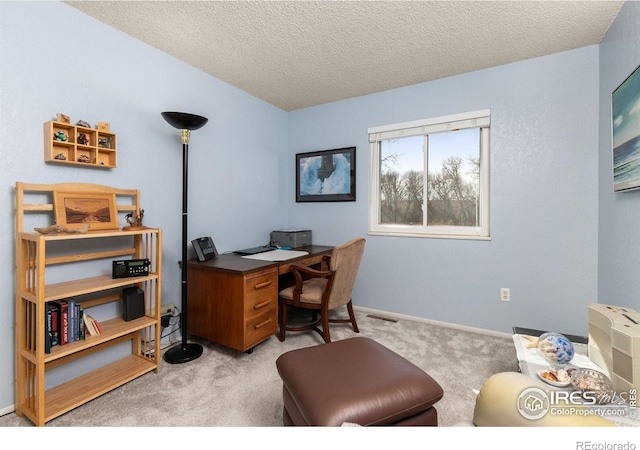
(296, 54)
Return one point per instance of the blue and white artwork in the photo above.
(316, 178)
(625, 107)
(326, 176)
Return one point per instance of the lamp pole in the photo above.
(185, 123)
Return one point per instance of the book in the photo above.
(82, 331)
(55, 324)
(48, 327)
(72, 320)
(97, 324)
(76, 321)
(91, 325)
(51, 327)
(63, 322)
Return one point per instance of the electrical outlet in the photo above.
(505, 294)
(167, 309)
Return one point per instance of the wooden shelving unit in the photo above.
(79, 146)
(35, 255)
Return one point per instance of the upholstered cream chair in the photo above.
(497, 406)
(323, 290)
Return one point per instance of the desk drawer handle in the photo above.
(263, 285)
(262, 324)
(262, 304)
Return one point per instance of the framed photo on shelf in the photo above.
(625, 112)
(72, 210)
(326, 176)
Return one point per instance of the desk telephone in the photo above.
(205, 248)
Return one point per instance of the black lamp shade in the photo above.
(184, 121)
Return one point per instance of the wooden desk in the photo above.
(233, 301)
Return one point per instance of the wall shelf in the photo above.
(79, 146)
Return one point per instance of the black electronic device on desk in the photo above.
(253, 250)
(130, 268)
(205, 248)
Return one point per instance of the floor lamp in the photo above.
(185, 123)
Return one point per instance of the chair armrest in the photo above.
(309, 271)
(327, 260)
(302, 273)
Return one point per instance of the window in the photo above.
(431, 177)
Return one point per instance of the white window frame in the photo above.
(476, 119)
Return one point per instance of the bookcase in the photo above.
(66, 254)
(80, 146)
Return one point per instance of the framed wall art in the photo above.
(326, 176)
(625, 111)
(72, 210)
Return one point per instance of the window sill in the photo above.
(430, 236)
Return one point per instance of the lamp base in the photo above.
(183, 353)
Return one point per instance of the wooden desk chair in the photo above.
(323, 290)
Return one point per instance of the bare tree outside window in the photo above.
(453, 179)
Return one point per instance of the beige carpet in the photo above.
(229, 388)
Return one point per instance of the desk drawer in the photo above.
(263, 281)
(259, 328)
(260, 303)
(261, 294)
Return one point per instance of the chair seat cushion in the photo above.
(311, 291)
(355, 380)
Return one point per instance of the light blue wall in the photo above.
(56, 59)
(619, 213)
(544, 194)
(545, 174)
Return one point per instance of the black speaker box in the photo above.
(132, 303)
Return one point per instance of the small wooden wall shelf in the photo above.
(79, 146)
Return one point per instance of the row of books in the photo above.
(66, 322)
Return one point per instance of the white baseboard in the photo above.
(8, 410)
(434, 322)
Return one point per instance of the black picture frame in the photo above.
(326, 175)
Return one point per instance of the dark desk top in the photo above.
(230, 262)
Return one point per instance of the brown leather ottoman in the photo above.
(357, 381)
